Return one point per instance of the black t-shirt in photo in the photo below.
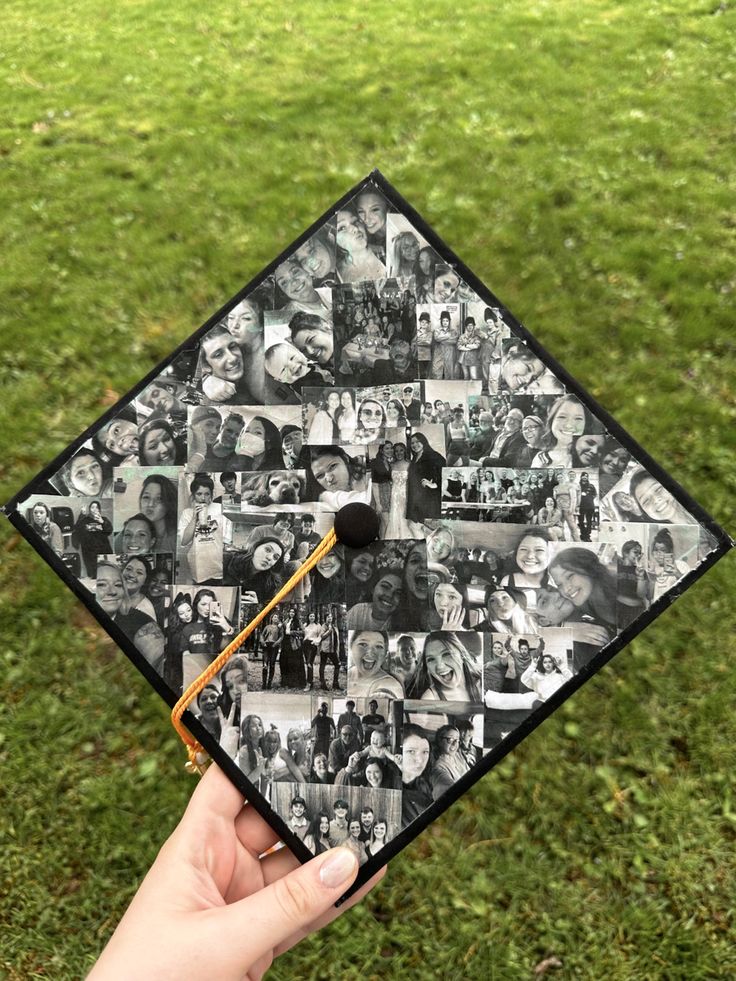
(201, 637)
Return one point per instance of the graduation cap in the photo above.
(487, 567)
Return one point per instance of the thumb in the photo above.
(261, 922)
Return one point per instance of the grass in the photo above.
(154, 156)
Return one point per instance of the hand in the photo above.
(353, 762)
(197, 442)
(590, 633)
(229, 733)
(452, 619)
(209, 907)
(249, 596)
(217, 389)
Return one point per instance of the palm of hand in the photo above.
(211, 906)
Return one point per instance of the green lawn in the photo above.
(579, 157)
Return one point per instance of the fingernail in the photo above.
(338, 867)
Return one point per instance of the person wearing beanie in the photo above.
(213, 440)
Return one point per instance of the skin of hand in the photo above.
(590, 633)
(453, 618)
(197, 443)
(229, 733)
(219, 390)
(210, 908)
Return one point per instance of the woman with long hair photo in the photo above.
(588, 584)
(91, 534)
(449, 763)
(381, 482)
(323, 427)
(530, 563)
(48, 530)
(346, 417)
(137, 571)
(158, 502)
(566, 421)
(545, 676)
(371, 423)
(356, 260)
(159, 445)
(446, 671)
(404, 255)
(424, 488)
(257, 568)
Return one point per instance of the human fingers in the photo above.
(214, 796)
(278, 864)
(229, 739)
(286, 907)
(331, 913)
(457, 616)
(593, 633)
(253, 832)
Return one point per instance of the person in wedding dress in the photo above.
(398, 526)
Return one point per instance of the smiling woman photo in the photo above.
(656, 503)
(359, 571)
(372, 209)
(323, 427)
(368, 655)
(137, 572)
(545, 676)
(531, 559)
(312, 335)
(118, 440)
(295, 289)
(137, 536)
(446, 671)
(317, 257)
(143, 631)
(567, 420)
(371, 422)
(588, 584)
(449, 763)
(424, 488)
(159, 446)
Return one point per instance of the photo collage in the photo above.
(517, 536)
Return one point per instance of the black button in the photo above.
(357, 525)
